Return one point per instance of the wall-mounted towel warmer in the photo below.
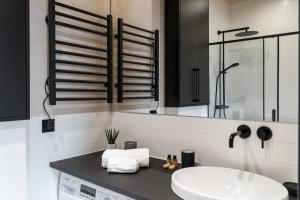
(72, 19)
(148, 80)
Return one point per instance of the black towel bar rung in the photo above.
(138, 28)
(71, 26)
(138, 70)
(138, 84)
(65, 71)
(80, 64)
(138, 56)
(79, 19)
(139, 91)
(138, 42)
(79, 90)
(80, 10)
(138, 35)
(81, 99)
(80, 55)
(138, 63)
(138, 77)
(80, 81)
(80, 46)
(133, 98)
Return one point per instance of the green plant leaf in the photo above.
(111, 135)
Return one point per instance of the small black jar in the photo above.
(187, 158)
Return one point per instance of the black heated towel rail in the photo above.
(150, 65)
(101, 27)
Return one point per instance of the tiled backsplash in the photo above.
(210, 137)
(13, 160)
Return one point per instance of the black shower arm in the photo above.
(233, 30)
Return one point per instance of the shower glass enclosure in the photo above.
(264, 87)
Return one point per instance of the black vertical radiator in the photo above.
(93, 81)
(145, 79)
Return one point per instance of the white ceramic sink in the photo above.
(213, 183)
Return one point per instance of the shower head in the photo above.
(231, 66)
(246, 33)
(234, 65)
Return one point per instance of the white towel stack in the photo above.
(125, 161)
(122, 165)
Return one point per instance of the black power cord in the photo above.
(154, 111)
(47, 96)
(48, 125)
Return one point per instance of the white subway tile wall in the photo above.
(209, 137)
(13, 160)
(75, 135)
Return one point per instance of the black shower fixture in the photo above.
(242, 32)
(246, 33)
(231, 66)
(223, 106)
(233, 30)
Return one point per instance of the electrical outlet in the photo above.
(48, 125)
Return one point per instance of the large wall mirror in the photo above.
(253, 63)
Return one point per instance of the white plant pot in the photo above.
(111, 146)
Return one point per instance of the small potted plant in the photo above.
(111, 135)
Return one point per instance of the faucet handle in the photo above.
(264, 133)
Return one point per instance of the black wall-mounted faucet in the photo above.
(243, 131)
(231, 139)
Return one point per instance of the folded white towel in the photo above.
(140, 155)
(122, 165)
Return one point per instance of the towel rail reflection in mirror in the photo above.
(143, 74)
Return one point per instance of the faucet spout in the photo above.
(231, 139)
(243, 132)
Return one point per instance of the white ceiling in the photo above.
(233, 1)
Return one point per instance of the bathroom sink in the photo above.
(213, 183)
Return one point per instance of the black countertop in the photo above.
(153, 183)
